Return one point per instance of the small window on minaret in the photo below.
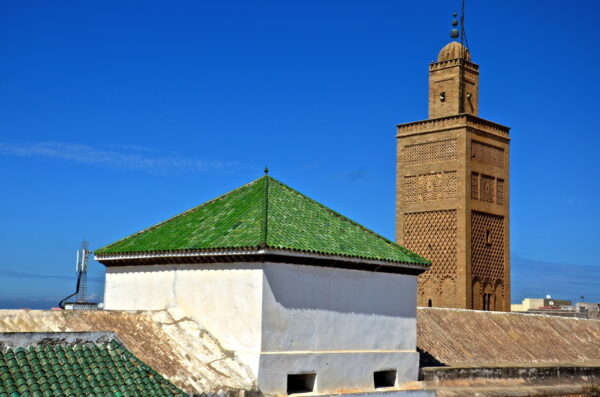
(443, 96)
(488, 237)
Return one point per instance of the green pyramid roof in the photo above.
(262, 214)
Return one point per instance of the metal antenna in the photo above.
(463, 33)
(464, 50)
(81, 268)
(80, 293)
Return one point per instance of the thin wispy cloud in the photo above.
(5, 273)
(116, 157)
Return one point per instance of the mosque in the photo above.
(263, 291)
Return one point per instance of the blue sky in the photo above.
(116, 115)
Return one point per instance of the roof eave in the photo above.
(264, 254)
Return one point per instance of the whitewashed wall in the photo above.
(225, 298)
(319, 308)
(280, 319)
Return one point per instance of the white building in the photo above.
(310, 300)
(538, 303)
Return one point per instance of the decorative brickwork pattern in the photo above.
(429, 187)
(487, 261)
(487, 192)
(429, 152)
(475, 186)
(487, 247)
(487, 154)
(487, 188)
(449, 186)
(411, 189)
(500, 191)
(433, 235)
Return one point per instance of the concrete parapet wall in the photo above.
(529, 375)
(512, 381)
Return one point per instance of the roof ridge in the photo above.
(265, 214)
(403, 249)
(185, 212)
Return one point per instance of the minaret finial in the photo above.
(266, 170)
(454, 31)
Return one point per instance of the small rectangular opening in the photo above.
(384, 378)
(488, 237)
(300, 383)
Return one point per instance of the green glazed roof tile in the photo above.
(263, 213)
(92, 377)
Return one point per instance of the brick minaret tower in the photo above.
(452, 191)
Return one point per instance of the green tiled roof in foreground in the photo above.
(263, 214)
(82, 369)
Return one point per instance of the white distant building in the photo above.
(310, 300)
(539, 304)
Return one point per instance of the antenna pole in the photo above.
(463, 40)
(82, 258)
(80, 293)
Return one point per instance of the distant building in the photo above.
(539, 304)
(592, 310)
(558, 307)
(452, 198)
(83, 306)
(309, 300)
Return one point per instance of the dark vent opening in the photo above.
(384, 378)
(300, 383)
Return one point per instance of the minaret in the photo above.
(452, 191)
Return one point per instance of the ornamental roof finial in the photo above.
(454, 31)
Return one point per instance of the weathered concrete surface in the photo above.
(524, 375)
(475, 338)
(513, 390)
(511, 381)
(25, 339)
(386, 393)
(168, 341)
